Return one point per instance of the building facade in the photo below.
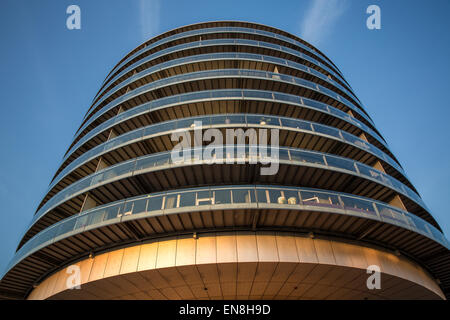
(125, 219)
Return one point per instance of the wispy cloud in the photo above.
(149, 13)
(320, 19)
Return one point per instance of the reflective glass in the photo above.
(112, 212)
(66, 226)
(96, 217)
(188, 199)
(170, 201)
(291, 123)
(307, 157)
(358, 205)
(319, 198)
(81, 221)
(155, 203)
(340, 163)
(291, 196)
(326, 130)
(222, 196)
(243, 196)
(140, 206)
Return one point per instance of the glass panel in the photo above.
(187, 199)
(96, 216)
(145, 163)
(161, 160)
(261, 194)
(81, 222)
(319, 198)
(315, 104)
(170, 201)
(420, 224)
(155, 203)
(436, 234)
(367, 171)
(390, 214)
(291, 197)
(189, 123)
(257, 94)
(112, 212)
(169, 126)
(119, 170)
(326, 130)
(222, 196)
(282, 198)
(238, 119)
(242, 196)
(296, 124)
(226, 93)
(262, 120)
(66, 226)
(358, 205)
(287, 98)
(170, 100)
(282, 153)
(203, 198)
(150, 130)
(140, 206)
(355, 140)
(127, 208)
(307, 157)
(48, 235)
(273, 195)
(340, 163)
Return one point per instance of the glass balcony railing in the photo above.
(227, 197)
(224, 120)
(160, 161)
(228, 30)
(214, 74)
(225, 42)
(217, 57)
(224, 94)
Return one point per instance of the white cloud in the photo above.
(320, 19)
(149, 13)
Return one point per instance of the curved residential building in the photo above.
(150, 203)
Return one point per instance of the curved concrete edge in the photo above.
(240, 265)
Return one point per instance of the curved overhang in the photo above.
(240, 265)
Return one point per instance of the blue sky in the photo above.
(50, 75)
